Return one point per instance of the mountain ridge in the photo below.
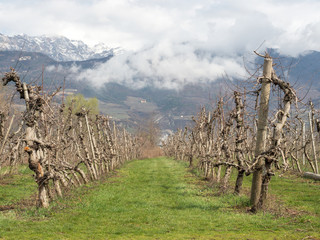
(57, 47)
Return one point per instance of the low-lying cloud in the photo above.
(165, 65)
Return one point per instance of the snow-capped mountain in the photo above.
(57, 47)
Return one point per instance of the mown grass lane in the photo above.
(152, 199)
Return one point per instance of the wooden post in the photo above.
(7, 134)
(312, 139)
(261, 129)
(303, 142)
(94, 160)
(312, 176)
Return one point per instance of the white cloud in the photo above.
(132, 24)
(169, 32)
(165, 65)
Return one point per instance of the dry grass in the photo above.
(151, 152)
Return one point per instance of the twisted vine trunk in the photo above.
(239, 139)
(34, 160)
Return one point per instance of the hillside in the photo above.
(121, 102)
(173, 109)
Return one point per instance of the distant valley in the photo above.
(171, 108)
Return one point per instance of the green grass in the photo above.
(300, 193)
(17, 186)
(296, 192)
(161, 199)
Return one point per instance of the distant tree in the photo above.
(148, 133)
(77, 102)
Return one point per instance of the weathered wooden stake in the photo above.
(261, 129)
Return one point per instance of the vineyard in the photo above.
(63, 147)
(258, 133)
(242, 136)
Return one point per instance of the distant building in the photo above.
(143, 101)
(25, 58)
(68, 91)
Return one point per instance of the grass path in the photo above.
(151, 199)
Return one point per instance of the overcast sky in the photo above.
(170, 37)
